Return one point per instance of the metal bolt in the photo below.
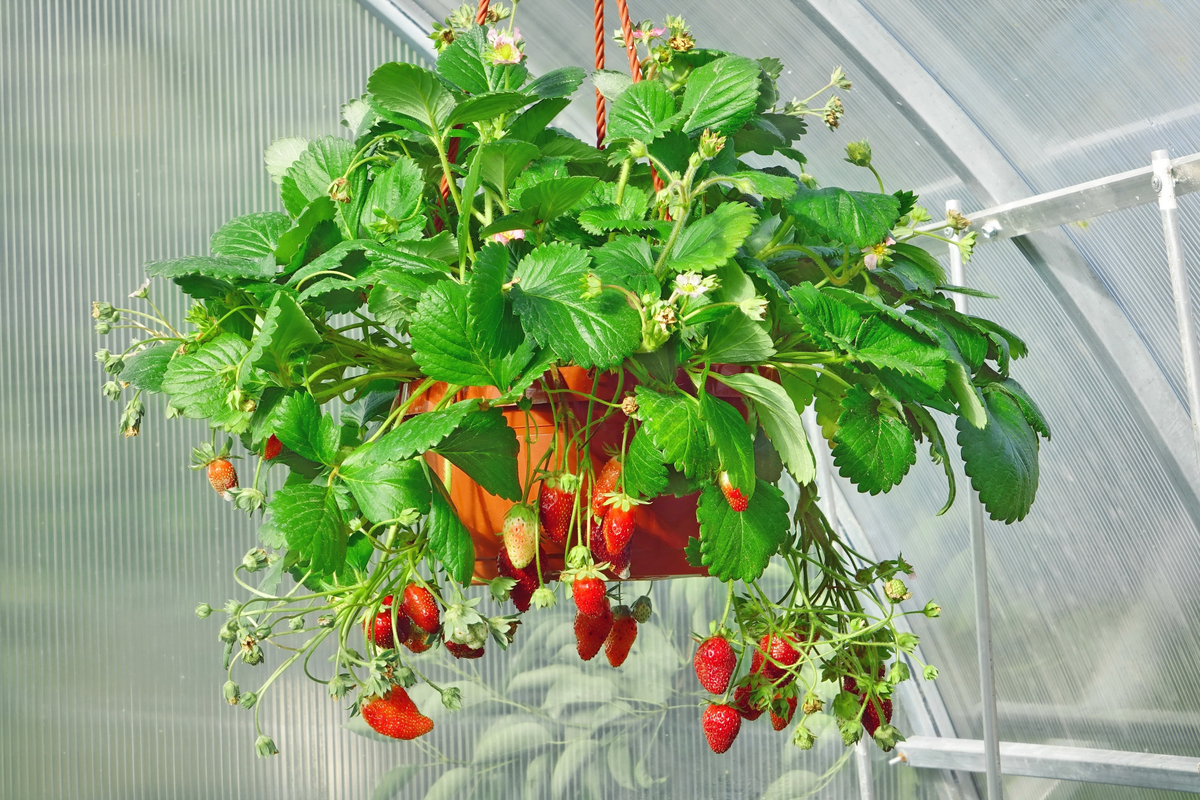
(991, 228)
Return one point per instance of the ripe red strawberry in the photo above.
(272, 448)
(556, 501)
(589, 597)
(741, 701)
(721, 724)
(606, 482)
(463, 650)
(714, 663)
(520, 533)
(780, 648)
(421, 608)
(870, 717)
(527, 581)
(778, 722)
(395, 715)
(621, 636)
(222, 476)
(737, 501)
(591, 633)
(418, 641)
(618, 522)
(618, 562)
(380, 633)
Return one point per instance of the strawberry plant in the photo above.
(434, 276)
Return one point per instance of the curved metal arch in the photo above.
(954, 136)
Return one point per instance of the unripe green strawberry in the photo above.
(642, 609)
(520, 534)
(721, 724)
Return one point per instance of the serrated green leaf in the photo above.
(627, 261)
(720, 95)
(873, 449)
(738, 546)
(889, 344)
(463, 63)
(1002, 458)
(559, 82)
(146, 368)
(502, 162)
(1016, 346)
(712, 240)
(396, 192)
(225, 269)
(281, 154)
(449, 540)
(311, 522)
(412, 92)
(309, 176)
(919, 260)
(644, 472)
(737, 339)
(199, 382)
(488, 106)
(597, 332)
(534, 120)
(778, 187)
(251, 236)
(860, 219)
(485, 447)
(611, 83)
(284, 329)
(866, 305)
(730, 437)
(606, 218)
(299, 424)
(553, 197)
(1033, 414)
(780, 418)
(830, 322)
(448, 347)
(675, 428)
(422, 432)
(305, 240)
(644, 112)
(938, 452)
(469, 190)
(394, 296)
(383, 488)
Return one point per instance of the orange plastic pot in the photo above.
(663, 525)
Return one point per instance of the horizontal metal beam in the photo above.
(1117, 767)
(1076, 203)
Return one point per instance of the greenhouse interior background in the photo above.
(134, 128)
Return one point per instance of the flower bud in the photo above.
(932, 610)
(710, 144)
(114, 364)
(929, 673)
(255, 559)
(544, 597)
(231, 692)
(592, 286)
(452, 698)
(103, 310)
(203, 610)
(228, 632)
(296, 623)
(338, 686)
(232, 607)
(637, 150)
(754, 307)
(859, 153)
(248, 700)
(111, 390)
(265, 747)
(103, 328)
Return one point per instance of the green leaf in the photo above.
(284, 329)
(553, 197)
(778, 187)
(447, 346)
(627, 261)
(1033, 414)
(644, 112)
(560, 82)
(675, 428)
(888, 344)
(305, 239)
(598, 332)
(281, 154)
(712, 240)
(413, 92)
(449, 540)
(780, 418)
(917, 260)
(251, 236)
(501, 162)
(299, 424)
(720, 95)
(463, 62)
(738, 546)
(1002, 458)
(830, 322)
(730, 437)
(396, 192)
(309, 517)
(384, 489)
(737, 339)
(970, 402)
(611, 83)
(873, 449)
(199, 382)
(1017, 348)
(487, 106)
(489, 308)
(644, 473)
(422, 432)
(310, 175)
(146, 368)
(485, 447)
(938, 452)
(469, 190)
(225, 269)
(860, 219)
(535, 119)
(608, 217)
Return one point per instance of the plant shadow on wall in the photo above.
(486, 351)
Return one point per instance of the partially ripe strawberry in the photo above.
(780, 648)
(589, 597)
(222, 476)
(721, 725)
(737, 501)
(272, 448)
(464, 650)
(527, 580)
(418, 641)
(380, 632)
(618, 523)
(605, 483)
(621, 637)
(778, 722)
(591, 633)
(421, 608)
(714, 663)
(741, 701)
(556, 501)
(395, 715)
(520, 533)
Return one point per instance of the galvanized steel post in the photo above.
(1164, 184)
(983, 614)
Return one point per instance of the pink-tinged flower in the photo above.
(504, 237)
(505, 48)
(877, 253)
(653, 33)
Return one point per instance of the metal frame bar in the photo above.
(1145, 770)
